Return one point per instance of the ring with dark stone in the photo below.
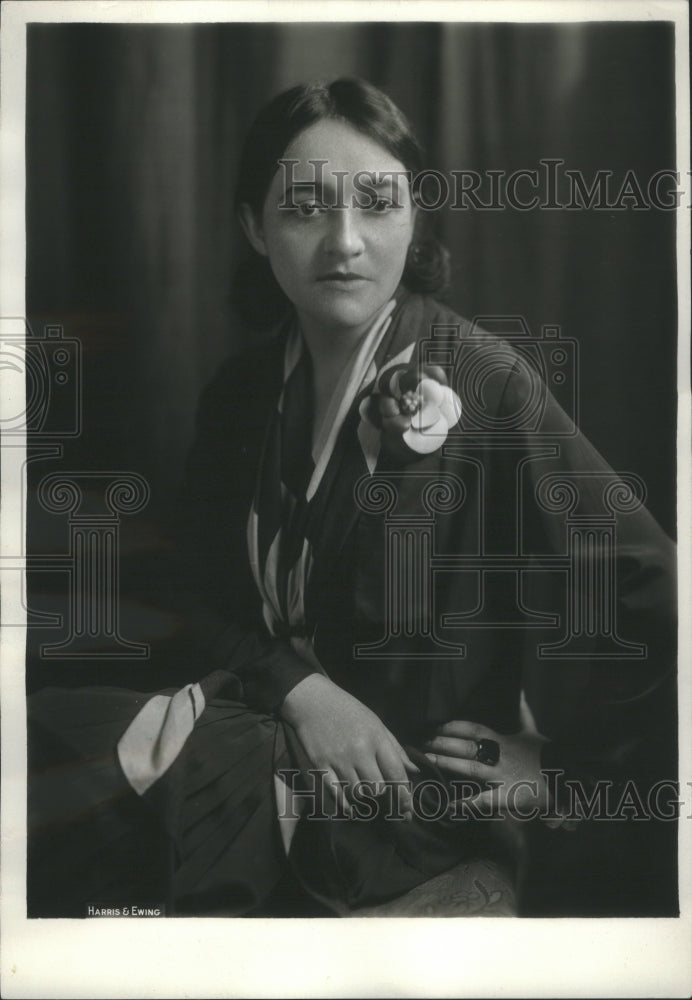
(488, 752)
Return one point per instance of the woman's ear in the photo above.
(415, 223)
(252, 228)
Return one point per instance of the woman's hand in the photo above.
(519, 786)
(342, 737)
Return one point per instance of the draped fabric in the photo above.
(200, 836)
(286, 510)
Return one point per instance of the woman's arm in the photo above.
(605, 717)
(620, 717)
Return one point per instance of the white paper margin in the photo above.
(290, 957)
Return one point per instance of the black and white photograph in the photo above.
(345, 499)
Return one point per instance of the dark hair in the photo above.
(256, 293)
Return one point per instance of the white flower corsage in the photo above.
(413, 408)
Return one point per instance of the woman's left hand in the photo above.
(519, 786)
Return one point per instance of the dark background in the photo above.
(133, 135)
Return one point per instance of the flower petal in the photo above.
(388, 382)
(425, 442)
(400, 361)
(431, 391)
(435, 373)
(427, 416)
(450, 406)
(369, 411)
(394, 383)
(399, 424)
(388, 406)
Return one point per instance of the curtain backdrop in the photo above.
(133, 138)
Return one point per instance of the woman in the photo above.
(325, 663)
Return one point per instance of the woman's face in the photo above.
(336, 235)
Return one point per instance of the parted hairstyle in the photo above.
(256, 293)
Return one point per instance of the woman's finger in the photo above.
(453, 746)
(348, 779)
(391, 764)
(376, 777)
(467, 731)
(406, 760)
(394, 772)
(333, 789)
(410, 766)
(369, 771)
(400, 752)
(463, 767)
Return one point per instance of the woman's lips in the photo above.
(338, 280)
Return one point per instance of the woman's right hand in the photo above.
(342, 737)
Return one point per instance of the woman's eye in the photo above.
(308, 209)
(383, 205)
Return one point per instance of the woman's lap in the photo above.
(204, 839)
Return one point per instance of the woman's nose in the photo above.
(343, 235)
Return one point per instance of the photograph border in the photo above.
(198, 957)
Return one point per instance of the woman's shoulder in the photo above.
(434, 318)
(441, 330)
(250, 365)
(242, 387)
(488, 358)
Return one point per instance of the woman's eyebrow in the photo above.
(330, 190)
(329, 193)
(303, 187)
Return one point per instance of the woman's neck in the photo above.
(330, 354)
(330, 349)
